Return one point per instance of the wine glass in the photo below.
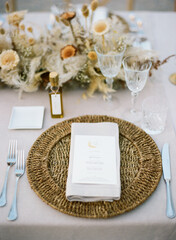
(136, 74)
(109, 60)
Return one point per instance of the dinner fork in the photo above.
(19, 171)
(11, 160)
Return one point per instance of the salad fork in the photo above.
(11, 160)
(19, 171)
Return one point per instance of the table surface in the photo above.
(36, 219)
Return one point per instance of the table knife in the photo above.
(170, 212)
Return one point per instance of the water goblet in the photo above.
(136, 74)
(154, 114)
(109, 60)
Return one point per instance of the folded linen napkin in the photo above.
(92, 176)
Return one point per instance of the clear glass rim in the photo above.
(133, 70)
(63, 6)
(109, 55)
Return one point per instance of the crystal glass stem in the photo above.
(133, 102)
(109, 82)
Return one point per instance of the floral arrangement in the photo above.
(67, 48)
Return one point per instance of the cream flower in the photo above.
(16, 17)
(101, 27)
(9, 59)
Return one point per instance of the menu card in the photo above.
(94, 162)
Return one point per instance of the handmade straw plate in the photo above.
(48, 160)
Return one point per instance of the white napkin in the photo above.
(89, 192)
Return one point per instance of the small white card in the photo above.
(94, 160)
(56, 103)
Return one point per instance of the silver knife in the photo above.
(170, 212)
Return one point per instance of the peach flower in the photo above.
(68, 51)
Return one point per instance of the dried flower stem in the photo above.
(158, 63)
(85, 13)
(86, 24)
(73, 33)
(7, 7)
(20, 93)
(103, 41)
(93, 6)
(113, 40)
(91, 20)
(166, 59)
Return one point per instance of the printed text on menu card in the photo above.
(94, 160)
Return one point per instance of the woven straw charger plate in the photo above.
(48, 161)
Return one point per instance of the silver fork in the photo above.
(19, 171)
(11, 160)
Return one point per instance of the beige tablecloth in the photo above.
(39, 221)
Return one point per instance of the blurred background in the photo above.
(121, 5)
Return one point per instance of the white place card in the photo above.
(56, 103)
(94, 160)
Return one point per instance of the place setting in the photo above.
(68, 193)
(90, 165)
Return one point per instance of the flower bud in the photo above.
(94, 5)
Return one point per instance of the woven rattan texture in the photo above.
(48, 160)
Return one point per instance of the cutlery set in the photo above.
(17, 157)
(14, 157)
